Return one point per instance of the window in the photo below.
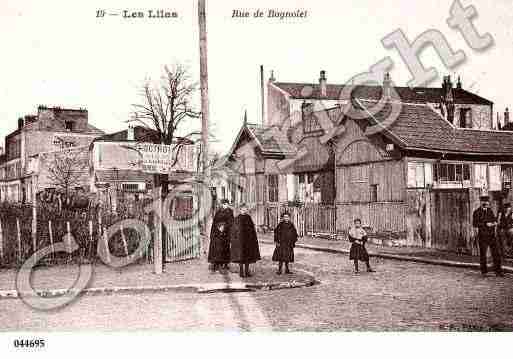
(481, 175)
(416, 175)
(130, 187)
(310, 178)
(272, 188)
(465, 118)
(69, 125)
(359, 174)
(454, 173)
(374, 193)
(495, 178)
(310, 122)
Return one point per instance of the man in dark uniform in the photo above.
(484, 220)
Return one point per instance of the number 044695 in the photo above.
(29, 343)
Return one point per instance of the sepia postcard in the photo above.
(198, 178)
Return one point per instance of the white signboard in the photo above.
(158, 158)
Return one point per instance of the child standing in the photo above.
(285, 237)
(358, 237)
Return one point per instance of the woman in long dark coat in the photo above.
(219, 249)
(358, 252)
(285, 237)
(244, 243)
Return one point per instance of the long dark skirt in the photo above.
(359, 252)
(283, 253)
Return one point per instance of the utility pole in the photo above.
(204, 100)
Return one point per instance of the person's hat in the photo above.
(484, 198)
(507, 205)
(223, 201)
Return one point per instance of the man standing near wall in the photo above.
(485, 221)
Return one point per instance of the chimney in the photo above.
(271, 78)
(245, 120)
(458, 84)
(387, 84)
(20, 123)
(506, 116)
(262, 94)
(130, 134)
(322, 84)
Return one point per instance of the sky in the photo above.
(59, 53)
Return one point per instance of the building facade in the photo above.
(51, 130)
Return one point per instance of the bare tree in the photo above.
(67, 169)
(167, 104)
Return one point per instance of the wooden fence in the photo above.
(309, 219)
(26, 229)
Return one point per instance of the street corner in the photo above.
(263, 277)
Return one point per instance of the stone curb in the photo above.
(193, 288)
(398, 257)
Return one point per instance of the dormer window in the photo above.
(69, 125)
(465, 120)
(310, 122)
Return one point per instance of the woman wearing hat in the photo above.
(244, 243)
(219, 249)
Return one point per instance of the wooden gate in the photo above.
(451, 219)
(183, 241)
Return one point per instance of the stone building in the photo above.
(52, 129)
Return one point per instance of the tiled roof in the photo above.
(271, 139)
(407, 94)
(421, 127)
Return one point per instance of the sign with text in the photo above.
(157, 158)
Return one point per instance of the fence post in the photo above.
(34, 229)
(90, 240)
(157, 241)
(50, 232)
(68, 240)
(106, 246)
(1, 243)
(123, 238)
(100, 224)
(18, 236)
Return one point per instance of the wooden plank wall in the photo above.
(353, 182)
(380, 216)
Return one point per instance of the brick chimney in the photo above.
(458, 84)
(323, 84)
(506, 116)
(448, 98)
(387, 85)
(271, 78)
(21, 122)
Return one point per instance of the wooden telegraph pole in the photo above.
(204, 99)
